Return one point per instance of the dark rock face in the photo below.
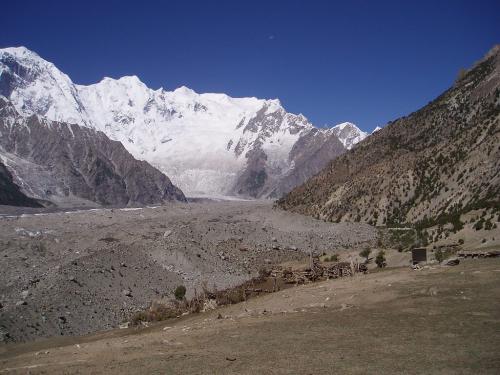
(60, 161)
(310, 154)
(10, 194)
(431, 166)
(264, 177)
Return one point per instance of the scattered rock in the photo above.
(433, 291)
(20, 303)
(127, 292)
(450, 262)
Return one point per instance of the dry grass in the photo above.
(159, 311)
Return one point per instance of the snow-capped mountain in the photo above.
(208, 144)
(349, 134)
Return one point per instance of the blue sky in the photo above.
(362, 61)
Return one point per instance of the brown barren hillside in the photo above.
(428, 168)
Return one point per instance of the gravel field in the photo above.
(77, 272)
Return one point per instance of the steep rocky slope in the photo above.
(427, 168)
(10, 194)
(69, 164)
(209, 144)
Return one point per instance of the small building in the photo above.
(418, 255)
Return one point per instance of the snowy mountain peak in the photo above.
(376, 129)
(349, 134)
(207, 143)
(186, 91)
(20, 52)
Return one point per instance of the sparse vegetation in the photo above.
(331, 258)
(180, 292)
(365, 253)
(439, 255)
(380, 259)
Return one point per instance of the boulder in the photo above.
(450, 262)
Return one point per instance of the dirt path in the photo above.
(441, 320)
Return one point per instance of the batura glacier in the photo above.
(208, 144)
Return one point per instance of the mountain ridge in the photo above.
(209, 144)
(69, 165)
(428, 168)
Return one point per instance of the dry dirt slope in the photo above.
(434, 321)
(428, 167)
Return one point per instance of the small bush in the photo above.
(380, 259)
(461, 241)
(332, 258)
(365, 253)
(180, 292)
(479, 224)
(439, 255)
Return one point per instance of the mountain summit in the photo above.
(209, 144)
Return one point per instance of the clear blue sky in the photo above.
(362, 61)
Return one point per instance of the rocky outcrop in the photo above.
(69, 164)
(426, 168)
(270, 171)
(10, 194)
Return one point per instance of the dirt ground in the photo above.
(77, 272)
(439, 320)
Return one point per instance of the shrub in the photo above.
(380, 259)
(488, 225)
(479, 224)
(365, 253)
(461, 241)
(180, 292)
(332, 258)
(439, 255)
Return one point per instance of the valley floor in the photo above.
(78, 272)
(440, 320)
